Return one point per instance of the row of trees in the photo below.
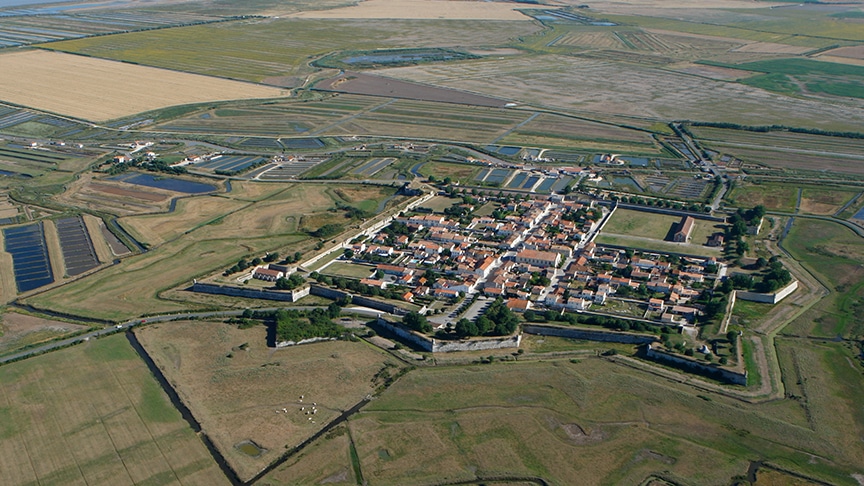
(773, 128)
(155, 165)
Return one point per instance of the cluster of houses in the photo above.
(493, 256)
(597, 274)
(536, 254)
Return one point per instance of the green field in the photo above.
(350, 270)
(792, 76)
(235, 384)
(777, 197)
(640, 224)
(836, 256)
(94, 414)
(262, 50)
(569, 424)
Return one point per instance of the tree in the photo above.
(348, 253)
(732, 337)
(333, 310)
(466, 328)
(417, 322)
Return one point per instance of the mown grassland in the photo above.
(836, 256)
(258, 49)
(570, 423)
(237, 387)
(641, 223)
(777, 197)
(94, 414)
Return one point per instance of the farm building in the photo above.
(685, 227)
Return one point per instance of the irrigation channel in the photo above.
(214, 451)
(183, 409)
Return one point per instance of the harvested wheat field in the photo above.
(420, 9)
(98, 89)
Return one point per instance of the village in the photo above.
(533, 254)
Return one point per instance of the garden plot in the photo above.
(688, 188)
(79, 255)
(29, 253)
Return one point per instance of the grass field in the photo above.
(274, 218)
(540, 80)
(570, 424)
(640, 224)
(278, 50)
(835, 255)
(786, 149)
(651, 244)
(94, 414)
(458, 172)
(799, 75)
(237, 387)
(350, 270)
(825, 201)
(51, 75)
(417, 9)
(550, 131)
(778, 197)
(155, 229)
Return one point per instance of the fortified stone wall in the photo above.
(588, 334)
(279, 295)
(768, 298)
(730, 376)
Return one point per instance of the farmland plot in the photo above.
(278, 51)
(612, 88)
(236, 398)
(89, 88)
(93, 414)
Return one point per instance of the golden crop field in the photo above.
(97, 89)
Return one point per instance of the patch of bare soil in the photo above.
(368, 84)
(20, 329)
(577, 435)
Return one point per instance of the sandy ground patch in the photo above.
(714, 72)
(420, 9)
(851, 52)
(23, 329)
(841, 60)
(773, 48)
(98, 89)
(610, 5)
(94, 227)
